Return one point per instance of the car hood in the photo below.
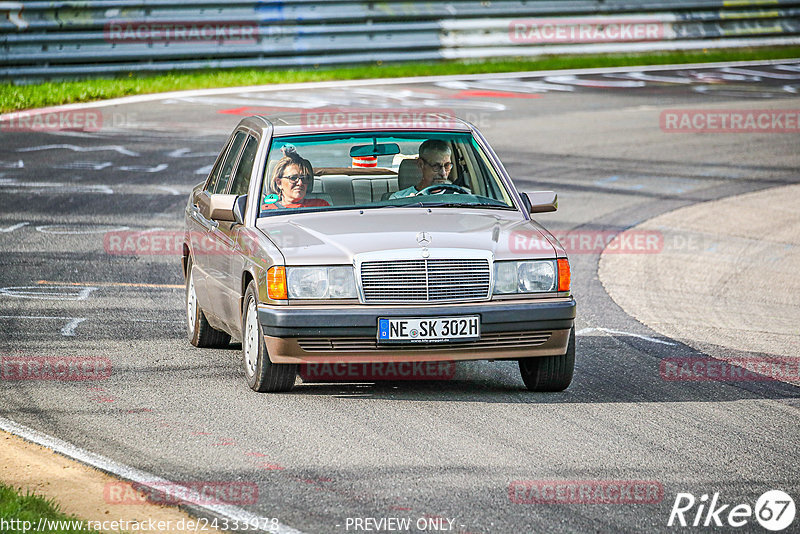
(336, 237)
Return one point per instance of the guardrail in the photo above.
(69, 39)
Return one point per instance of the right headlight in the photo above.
(536, 276)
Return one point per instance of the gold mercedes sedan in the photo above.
(373, 242)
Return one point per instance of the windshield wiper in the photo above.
(458, 205)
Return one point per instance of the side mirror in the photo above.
(540, 201)
(220, 208)
(238, 208)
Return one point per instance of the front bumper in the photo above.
(509, 329)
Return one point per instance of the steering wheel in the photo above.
(444, 187)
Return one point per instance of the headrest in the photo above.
(408, 174)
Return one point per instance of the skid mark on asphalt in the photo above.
(144, 168)
(75, 148)
(97, 285)
(78, 229)
(12, 185)
(19, 164)
(85, 165)
(170, 190)
(663, 184)
(187, 153)
(204, 170)
(53, 292)
(270, 467)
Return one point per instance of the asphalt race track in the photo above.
(457, 449)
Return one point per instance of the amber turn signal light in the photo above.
(563, 275)
(276, 283)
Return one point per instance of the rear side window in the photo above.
(241, 180)
(222, 174)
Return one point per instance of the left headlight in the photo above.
(321, 282)
(524, 277)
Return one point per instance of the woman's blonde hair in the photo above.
(290, 157)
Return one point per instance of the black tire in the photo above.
(200, 333)
(550, 373)
(262, 375)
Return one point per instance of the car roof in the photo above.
(356, 120)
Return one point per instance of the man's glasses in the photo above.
(297, 177)
(438, 167)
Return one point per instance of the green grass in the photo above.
(19, 97)
(29, 507)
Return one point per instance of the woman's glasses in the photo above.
(297, 177)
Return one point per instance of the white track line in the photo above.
(131, 474)
(69, 328)
(13, 227)
(380, 81)
(584, 331)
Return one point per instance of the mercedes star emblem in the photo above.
(424, 239)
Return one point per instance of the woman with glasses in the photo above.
(292, 178)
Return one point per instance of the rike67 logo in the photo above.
(774, 510)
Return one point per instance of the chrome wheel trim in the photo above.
(251, 339)
(191, 305)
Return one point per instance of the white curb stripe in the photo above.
(125, 472)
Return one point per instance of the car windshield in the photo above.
(379, 170)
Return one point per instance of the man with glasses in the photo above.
(435, 163)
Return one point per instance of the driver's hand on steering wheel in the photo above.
(444, 187)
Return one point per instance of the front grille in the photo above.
(513, 340)
(425, 280)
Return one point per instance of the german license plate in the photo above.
(428, 329)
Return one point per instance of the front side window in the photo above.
(378, 170)
(222, 173)
(241, 179)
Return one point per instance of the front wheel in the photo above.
(199, 332)
(550, 373)
(262, 375)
